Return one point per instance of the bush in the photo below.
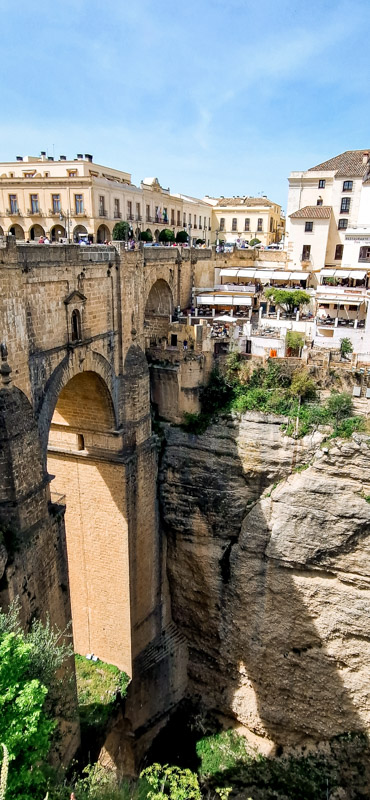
(166, 235)
(302, 386)
(182, 237)
(346, 347)
(146, 236)
(294, 340)
(121, 231)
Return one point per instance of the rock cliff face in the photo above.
(269, 575)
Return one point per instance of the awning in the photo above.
(247, 273)
(299, 276)
(223, 300)
(344, 301)
(231, 272)
(357, 274)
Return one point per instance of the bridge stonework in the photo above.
(78, 461)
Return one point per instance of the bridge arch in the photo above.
(77, 361)
(158, 312)
(88, 475)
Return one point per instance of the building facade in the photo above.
(240, 219)
(65, 199)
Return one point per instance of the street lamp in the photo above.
(217, 232)
(189, 226)
(67, 222)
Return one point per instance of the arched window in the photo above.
(80, 442)
(76, 325)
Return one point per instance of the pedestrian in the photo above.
(46, 240)
(185, 344)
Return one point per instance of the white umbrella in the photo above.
(225, 318)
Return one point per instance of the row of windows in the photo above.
(342, 225)
(160, 216)
(347, 185)
(364, 253)
(234, 224)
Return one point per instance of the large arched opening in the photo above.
(89, 476)
(103, 234)
(17, 231)
(158, 313)
(78, 232)
(57, 232)
(35, 232)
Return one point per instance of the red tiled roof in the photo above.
(348, 164)
(312, 212)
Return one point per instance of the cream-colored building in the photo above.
(325, 203)
(239, 219)
(65, 199)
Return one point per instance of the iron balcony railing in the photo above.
(117, 215)
(102, 212)
(34, 212)
(13, 212)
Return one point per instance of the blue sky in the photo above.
(218, 98)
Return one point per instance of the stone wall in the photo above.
(268, 572)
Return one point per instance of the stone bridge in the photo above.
(78, 461)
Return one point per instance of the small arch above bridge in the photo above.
(158, 312)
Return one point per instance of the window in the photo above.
(260, 224)
(29, 174)
(205, 223)
(308, 226)
(364, 254)
(246, 224)
(319, 201)
(165, 215)
(72, 173)
(347, 186)
(117, 210)
(101, 205)
(189, 219)
(234, 224)
(200, 221)
(271, 224)
(34, 203)
(13, 202)
(345, 204)
(178, 217)
(172, 216)
(76, 326)
(138, 211)
(129, 209)
(338, 252)
(184, 218)
(148, 213)
(55, 199)
(306, 252)
(342, 224)
(321, 183)
(80, 442)
(79, 203)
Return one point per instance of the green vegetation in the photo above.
(346, 347)
(275, 390)
(254, 241)
(30, 688)
(166, 235)
(146, 236)
(227, 760)
(121, 231)
(171, 782)
(294, 341)
(98, 685)
(289, 299)
(182, 237)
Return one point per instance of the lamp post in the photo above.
(67, 222)
(217, 232)
(189, 226)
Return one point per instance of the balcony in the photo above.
(130, 217)
(34, 212)
(13, 212)
(80, 213)
(117, 215)
(103, 212)
(138, 218)
(305, 257)
(148, 218)
(54, 212)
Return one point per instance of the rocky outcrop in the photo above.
(269, 575)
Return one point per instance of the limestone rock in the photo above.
(269, 575)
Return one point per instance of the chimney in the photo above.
(88, 157)
(19, 158)
(79, 156)
(62, 158)
(365, 157)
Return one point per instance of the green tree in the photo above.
(339, 406)
(254, 241)
(182, 237)
(171, 782)
(302, 386)
(289, 299)
(294, 340)
(146, 236)
(121, 231)
(25, 728)
(200, 241)
(346, 347)
(167, 235)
